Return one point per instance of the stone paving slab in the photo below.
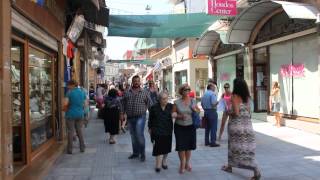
(282, 154)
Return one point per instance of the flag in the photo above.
(39, 2)
(157, 67)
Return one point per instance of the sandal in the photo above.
(181, 170)
(112, 141)
(227, 168)
(188, 167)
(256, 177)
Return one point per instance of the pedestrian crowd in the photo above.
(124, 107)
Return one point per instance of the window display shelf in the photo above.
(38, 123)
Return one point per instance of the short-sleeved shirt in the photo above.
(185, 110)
(135, 104)
(76, 97)
(208, 100)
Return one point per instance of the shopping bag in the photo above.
(222, 105)
(203, 122)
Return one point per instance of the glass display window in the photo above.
(18, 120)
(201, 79)
(40, 97)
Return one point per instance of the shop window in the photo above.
(239, 66)
(168, 81)
(18, 123)
(40, 97)
(180, 78)
(201, 80)
(226, 72)
(261, 76)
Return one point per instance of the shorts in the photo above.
(275, 107)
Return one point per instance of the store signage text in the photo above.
(292, 70)
(222, 7)
(225, 77)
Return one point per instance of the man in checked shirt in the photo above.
(135, 103)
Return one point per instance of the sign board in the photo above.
(292, 70)
(222, 7)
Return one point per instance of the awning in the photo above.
(206, 43)
(299, 10)
(160, 26)
(242, 26)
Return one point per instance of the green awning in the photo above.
(152, 43)
(160, 26)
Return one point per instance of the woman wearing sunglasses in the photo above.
(184, 130)
(226, 97)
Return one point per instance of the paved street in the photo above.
(282, 153)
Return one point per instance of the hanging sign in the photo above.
(222, 7)
(225, 76)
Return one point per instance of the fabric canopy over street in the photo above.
(206, 43)
(160, 26)
(152, 43)
(241, 28)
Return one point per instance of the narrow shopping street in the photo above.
(282, 153)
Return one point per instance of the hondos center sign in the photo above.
(222, 7)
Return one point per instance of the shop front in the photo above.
(292, 62)
(280, 49)
(180, 77)
(35, 91)
(193, 72)
(34, 99)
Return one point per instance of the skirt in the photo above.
(111, 121)
(162, 144)
(186, 137)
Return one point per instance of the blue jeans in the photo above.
(136, 127)
(211, 128)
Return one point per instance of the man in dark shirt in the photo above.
(135, 103)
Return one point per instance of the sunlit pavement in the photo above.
(282, 153)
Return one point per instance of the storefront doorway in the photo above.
(18, 120)
(181, 77)
(261, 79)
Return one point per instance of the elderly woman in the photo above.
(160, 128)
(112, 115)
(184, 130)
